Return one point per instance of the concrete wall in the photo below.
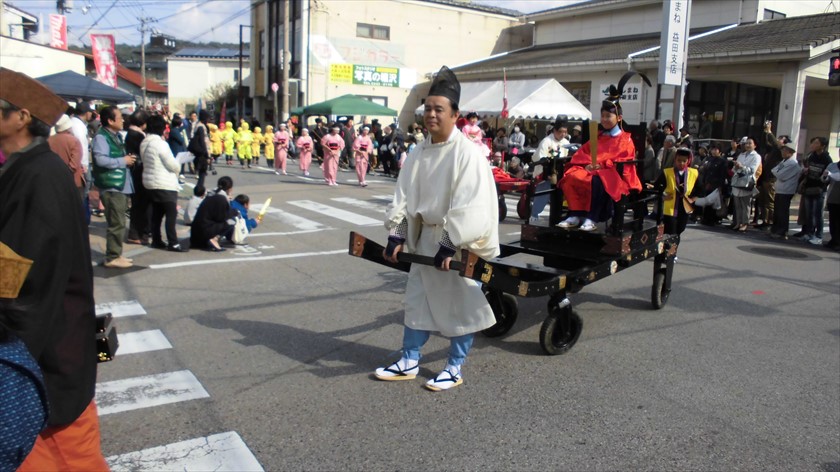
(423, 37)
(189, 79)
(36, 60)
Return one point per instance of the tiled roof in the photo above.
(137, 79)
(217, 53)
(796, 34)
(478, 7)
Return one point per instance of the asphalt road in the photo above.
(272, 349)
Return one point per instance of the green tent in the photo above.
(348, 105)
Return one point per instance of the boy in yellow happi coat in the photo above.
(268, 140)
(215, 149)
(229, 140)
(255, 145)
(243, 145)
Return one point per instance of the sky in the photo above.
(191, 20)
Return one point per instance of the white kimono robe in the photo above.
(446, 186)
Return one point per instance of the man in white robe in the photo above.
(445, 201)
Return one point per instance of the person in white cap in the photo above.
(69, 149)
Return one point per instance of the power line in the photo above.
(97, 20)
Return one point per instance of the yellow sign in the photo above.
(341, 73)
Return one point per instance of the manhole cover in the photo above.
(781, 253)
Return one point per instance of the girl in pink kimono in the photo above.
(304, 145)
(361, 148)
(474, 133)
(281, 142)
(332, 144)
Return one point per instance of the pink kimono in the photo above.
(362, 147)
(304, 145)
(281, 142)
(333, 144)
(475, 134)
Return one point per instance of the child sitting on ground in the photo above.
(199, 192)
(241, 204)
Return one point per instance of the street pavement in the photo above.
(260, 357)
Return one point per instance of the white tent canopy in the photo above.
(536, 98)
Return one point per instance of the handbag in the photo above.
(107, 342)
(240, 231)
(743, 181)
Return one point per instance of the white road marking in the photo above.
(356, 181)
(309, 179)
(387, 198)
(337, 213)
(120, 309)
(147, 391)
(289, 219)
(377, 207)
(142, 341)
(225, 260)
(287, 233)
(217, 452)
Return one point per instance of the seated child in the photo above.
(589, 188)
(515, 168)
(199, 192)
(678, 185)
(241, 204)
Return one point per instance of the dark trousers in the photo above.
(201, 169)
(834, 222)
(781, 214)
(164, 203)
(676, 224)
(139, 214)
(813, 220)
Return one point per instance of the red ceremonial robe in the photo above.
(577, 181)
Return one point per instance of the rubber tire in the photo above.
(504, 320)
(502, 208)
(552, 340)
(523, 208)
(658, 294)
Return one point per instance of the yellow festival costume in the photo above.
(268, 139)
(255, 145)
(229, 138)
(215, 140)
(244, 141)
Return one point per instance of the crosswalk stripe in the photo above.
(377, 207)
(142, 341)
(218, 452)
(120, 309)
(290, 219)
(387, 198)
(146, 391)
(335, 213)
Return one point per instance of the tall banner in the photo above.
(58, 31)
(104, 58)
(673, 50)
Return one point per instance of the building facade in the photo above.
(749, 61)
(194, 73)
(378, 50)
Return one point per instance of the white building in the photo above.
(193, 71)
(759, 60)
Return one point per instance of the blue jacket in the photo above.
(176, 140)
(251, 223)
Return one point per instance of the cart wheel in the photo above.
(658, 294)
(502, 208)
(523, 207)
(560, 330)
(506, 314)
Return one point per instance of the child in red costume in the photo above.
(589, 188)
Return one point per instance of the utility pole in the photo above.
(240, 105)
(286, 54)
(143, 22)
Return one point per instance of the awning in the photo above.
(72, 86)
(348, 105)
(536, 98)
